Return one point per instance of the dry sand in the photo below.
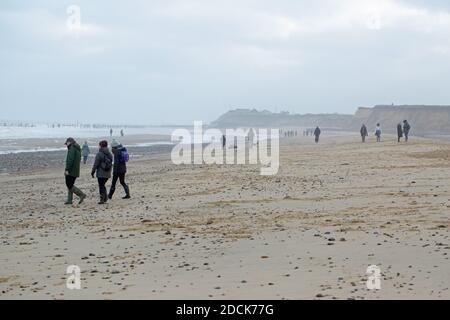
(225, 232)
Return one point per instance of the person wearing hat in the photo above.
(102, 169)
(119, 170)
(72, 170)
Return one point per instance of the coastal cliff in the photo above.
(424, 119)
(255, 118)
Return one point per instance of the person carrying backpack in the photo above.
(103, 167)
(378, 132)
(119, 169)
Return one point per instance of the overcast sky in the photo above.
(162, 62)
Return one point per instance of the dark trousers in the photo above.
(317, 139)
(101, 186)
(70, 181)
(406, 136)
(121, 177)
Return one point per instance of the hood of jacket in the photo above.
(75, 146)
(105, 150)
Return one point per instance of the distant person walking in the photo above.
(119, 169)
(72, 170)
(378, 132)
(406, 128)
(110, 132)
(363, 132)
(317, 134)
(224, 141)
(399, 132)
(103, 167)
(121, 133)
(85, 151)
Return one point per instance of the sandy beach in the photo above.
(226, 232)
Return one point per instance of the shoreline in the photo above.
(30, 144)
(138, 146)
(54, 155)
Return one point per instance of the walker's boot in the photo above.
(69, 197)
(103, 198)
(111, 192)
(127, 193)
(79, 193)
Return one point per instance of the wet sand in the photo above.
(225, 232)
(53, 152)
(31, 144)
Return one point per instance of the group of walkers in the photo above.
(106, 164)
(308, 132)
(290, 133)
(401, 130)
(111, 132)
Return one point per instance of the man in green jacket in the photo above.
(72, 171)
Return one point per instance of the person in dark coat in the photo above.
(119, 170)
(72, 170)
(406, 128)
(363, 132)
(224, 141)
(317, 134)
(399, 132)
(102, 168)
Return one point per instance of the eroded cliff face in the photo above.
(254, 118)
(424, 120)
